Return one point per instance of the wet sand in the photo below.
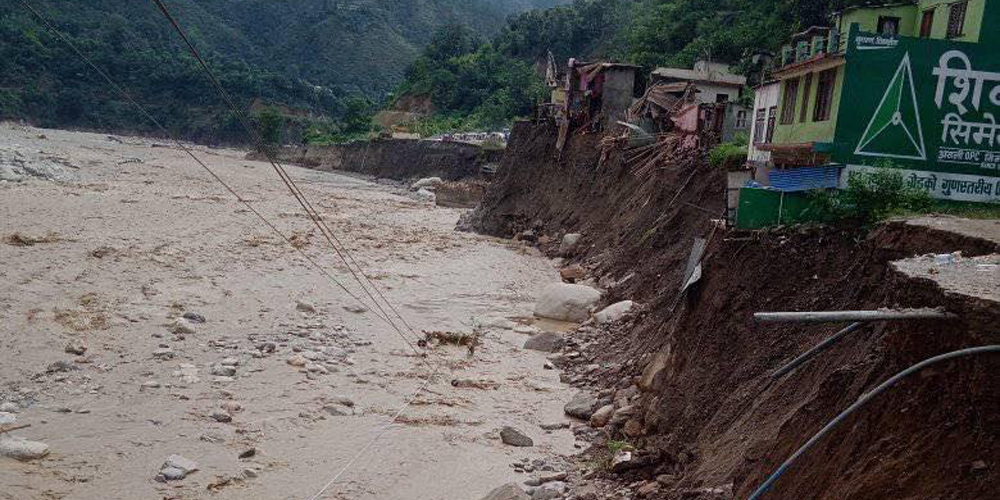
(108, 241)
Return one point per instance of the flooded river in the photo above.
(110, 243)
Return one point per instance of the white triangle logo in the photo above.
(894, 130)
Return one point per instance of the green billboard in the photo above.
(926, 106)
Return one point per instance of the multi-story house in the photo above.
(913, 85)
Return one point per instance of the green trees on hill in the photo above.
(584, 28)
(648, 33)
(480, 84)
(678, 32)
(313, 58)
(308, 56)
(468, 78)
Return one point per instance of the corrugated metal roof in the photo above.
(805, 178)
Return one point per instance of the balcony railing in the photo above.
(805, 50)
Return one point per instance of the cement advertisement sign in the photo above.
(927, 106)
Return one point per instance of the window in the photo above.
(721, 97)
(771, 115)
(806, 88)
(760, 123)
(888, 25)
(926, 23)
(956, 19)
(824, 95)
(788, 101)
(741, 119)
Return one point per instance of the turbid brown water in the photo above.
(107, 241)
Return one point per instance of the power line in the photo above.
(331, 238)
(363, 449)
(142, 110)
(314, 216)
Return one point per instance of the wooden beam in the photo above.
(15, 428)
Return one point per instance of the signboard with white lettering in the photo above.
(927, 106)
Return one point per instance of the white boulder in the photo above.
(510, 491)
(426, 195)
(614, 312)
(430, 183)
(569, 241)
(22, 449)
(566, 302)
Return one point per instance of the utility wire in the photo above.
(125, 95)
(331, 238)
(142, 110)
(363, 449)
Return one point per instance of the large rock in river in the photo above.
(22, 449)
(566, 302)
(429, 183)
(614, 312)
(582, 406)
(545, 342)
(509, 491)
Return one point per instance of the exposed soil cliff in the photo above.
(713, 424)
(397, 159)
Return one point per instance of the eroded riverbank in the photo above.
(109, 242)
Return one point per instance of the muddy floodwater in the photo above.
(108, 243)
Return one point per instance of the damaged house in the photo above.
(701, 100)
(592, 95)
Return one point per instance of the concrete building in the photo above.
(597, 95)
(602, 88)
(764, 116)
(923, 81)
(713, 81)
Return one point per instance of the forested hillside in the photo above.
(648, 33)
(313, 56)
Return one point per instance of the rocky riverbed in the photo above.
(157, 341)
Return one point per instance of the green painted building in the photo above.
(913, 85)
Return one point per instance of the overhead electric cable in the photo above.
(125, 95)
(142, 110)
(331, 238)
(258, 141)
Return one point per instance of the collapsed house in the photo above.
(598, 96)
(713, 82)
(590, 95)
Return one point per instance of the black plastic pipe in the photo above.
(861, 402)
(815, 350)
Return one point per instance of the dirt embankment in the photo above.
(712, 423)
(397, 159)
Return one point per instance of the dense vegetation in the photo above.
(309, 58)
(476, 83)
(319, 67)
(645, 32)
(678, 32)
(870, 198)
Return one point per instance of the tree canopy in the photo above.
(647, 33)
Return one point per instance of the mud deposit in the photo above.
(145, 313)
(689, 373)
